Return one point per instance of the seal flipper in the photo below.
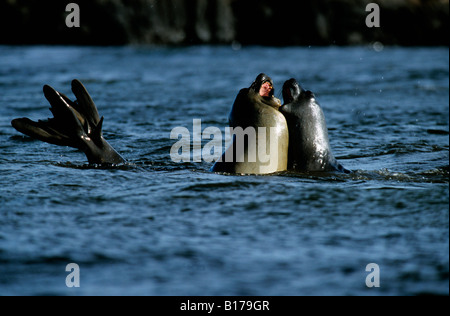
(41, 130)
(84, 104)
(75, 124)
(57, 130)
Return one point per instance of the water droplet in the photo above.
(236, 45)
(378, 46)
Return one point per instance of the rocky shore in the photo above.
(246, 22)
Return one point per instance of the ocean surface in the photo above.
(157, 227)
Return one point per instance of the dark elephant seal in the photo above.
(75, 123)
(256, 109)
(309, 146)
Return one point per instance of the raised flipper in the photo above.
(75, 123)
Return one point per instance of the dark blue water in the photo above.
(156, 227)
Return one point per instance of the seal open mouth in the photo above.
(266, 89)
(263, 85)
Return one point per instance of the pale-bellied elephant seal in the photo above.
(260, 132)
(309, 146)
(75, 123)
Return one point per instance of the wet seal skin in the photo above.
(75, 124)
(256, 108)
(309, 146)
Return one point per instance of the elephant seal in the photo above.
(309, 146)
(75, 123)
(257, 128)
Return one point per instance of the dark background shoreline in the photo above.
(242, 22)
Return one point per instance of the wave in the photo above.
(436, 175)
